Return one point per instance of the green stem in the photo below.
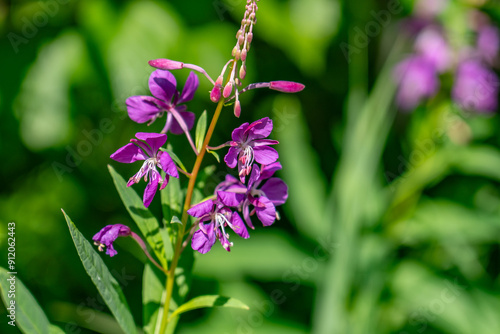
(187, 204)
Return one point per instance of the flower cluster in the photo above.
(475, 84)
(259, 196)
(254, 192)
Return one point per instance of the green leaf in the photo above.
(209, 301)
(201, 129)
(215, 154)
(144, 219)
(153, 297)
(29, 315)
(106, 284)
(55, 330)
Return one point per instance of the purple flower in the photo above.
(107, 235)
(147, 149)
(475, 87)
(417, 79)
(248, 145)
(219, 216)
(263, 195)
(488, 43)
(162, 85)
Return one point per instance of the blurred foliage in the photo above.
(384, 231)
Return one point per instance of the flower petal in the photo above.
(142, 109)
(231, 157)
(189, 89)
(239, 226)
(154, 140)
(162, 85)
(128, 154)
(266, 212)
(187, 117)
(201, 209)
(265, 155)
(254, 177)
(167, 164)
(260, 129)
(268, 170)
(230, 198)
(264, 142)
(238, 134)
(276, 190)
(246, 214)
(203, 242)
(151, 188)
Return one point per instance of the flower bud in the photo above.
(237, 109)
(243, 72)
(166, 64)
(228, 89)
(244, 55)
(286, 86)
(249, 37)
(215, 93)
(241, 39)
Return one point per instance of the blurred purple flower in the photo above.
(417, 80)
(488, 43)
(108, 234)
(432, 45)
(147, 149)
(475, 87)
(219, 216)
(248, 145)
(163, 86)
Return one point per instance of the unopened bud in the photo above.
(235, 51)
(286, 86)
(249, 37)
(166, 64)
(244, 55)
(243, 72)
(228, 89)
(237, 109)
(241, 39)
(215, 93)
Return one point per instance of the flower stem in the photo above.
(187, 204)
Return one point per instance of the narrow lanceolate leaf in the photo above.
(215, 154)
(29, 316)
(106, 284)
(153, 297)
(209, 301)
(144, 219)
(201, 129)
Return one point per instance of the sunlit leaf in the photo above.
(209, 301)
(201, 129)
(105, 283)
(153, 297)
(144, 219)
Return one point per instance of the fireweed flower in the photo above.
(106, 236)
(417, 79)
(248, 146)
(263, 192)
(165, 99)
(219, 216)
(432, 45)
(475, 87)
(146, 147)
(264, 196)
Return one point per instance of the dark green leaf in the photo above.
(106, 284)
(28, 314)
(153, 296)
(144, 219)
